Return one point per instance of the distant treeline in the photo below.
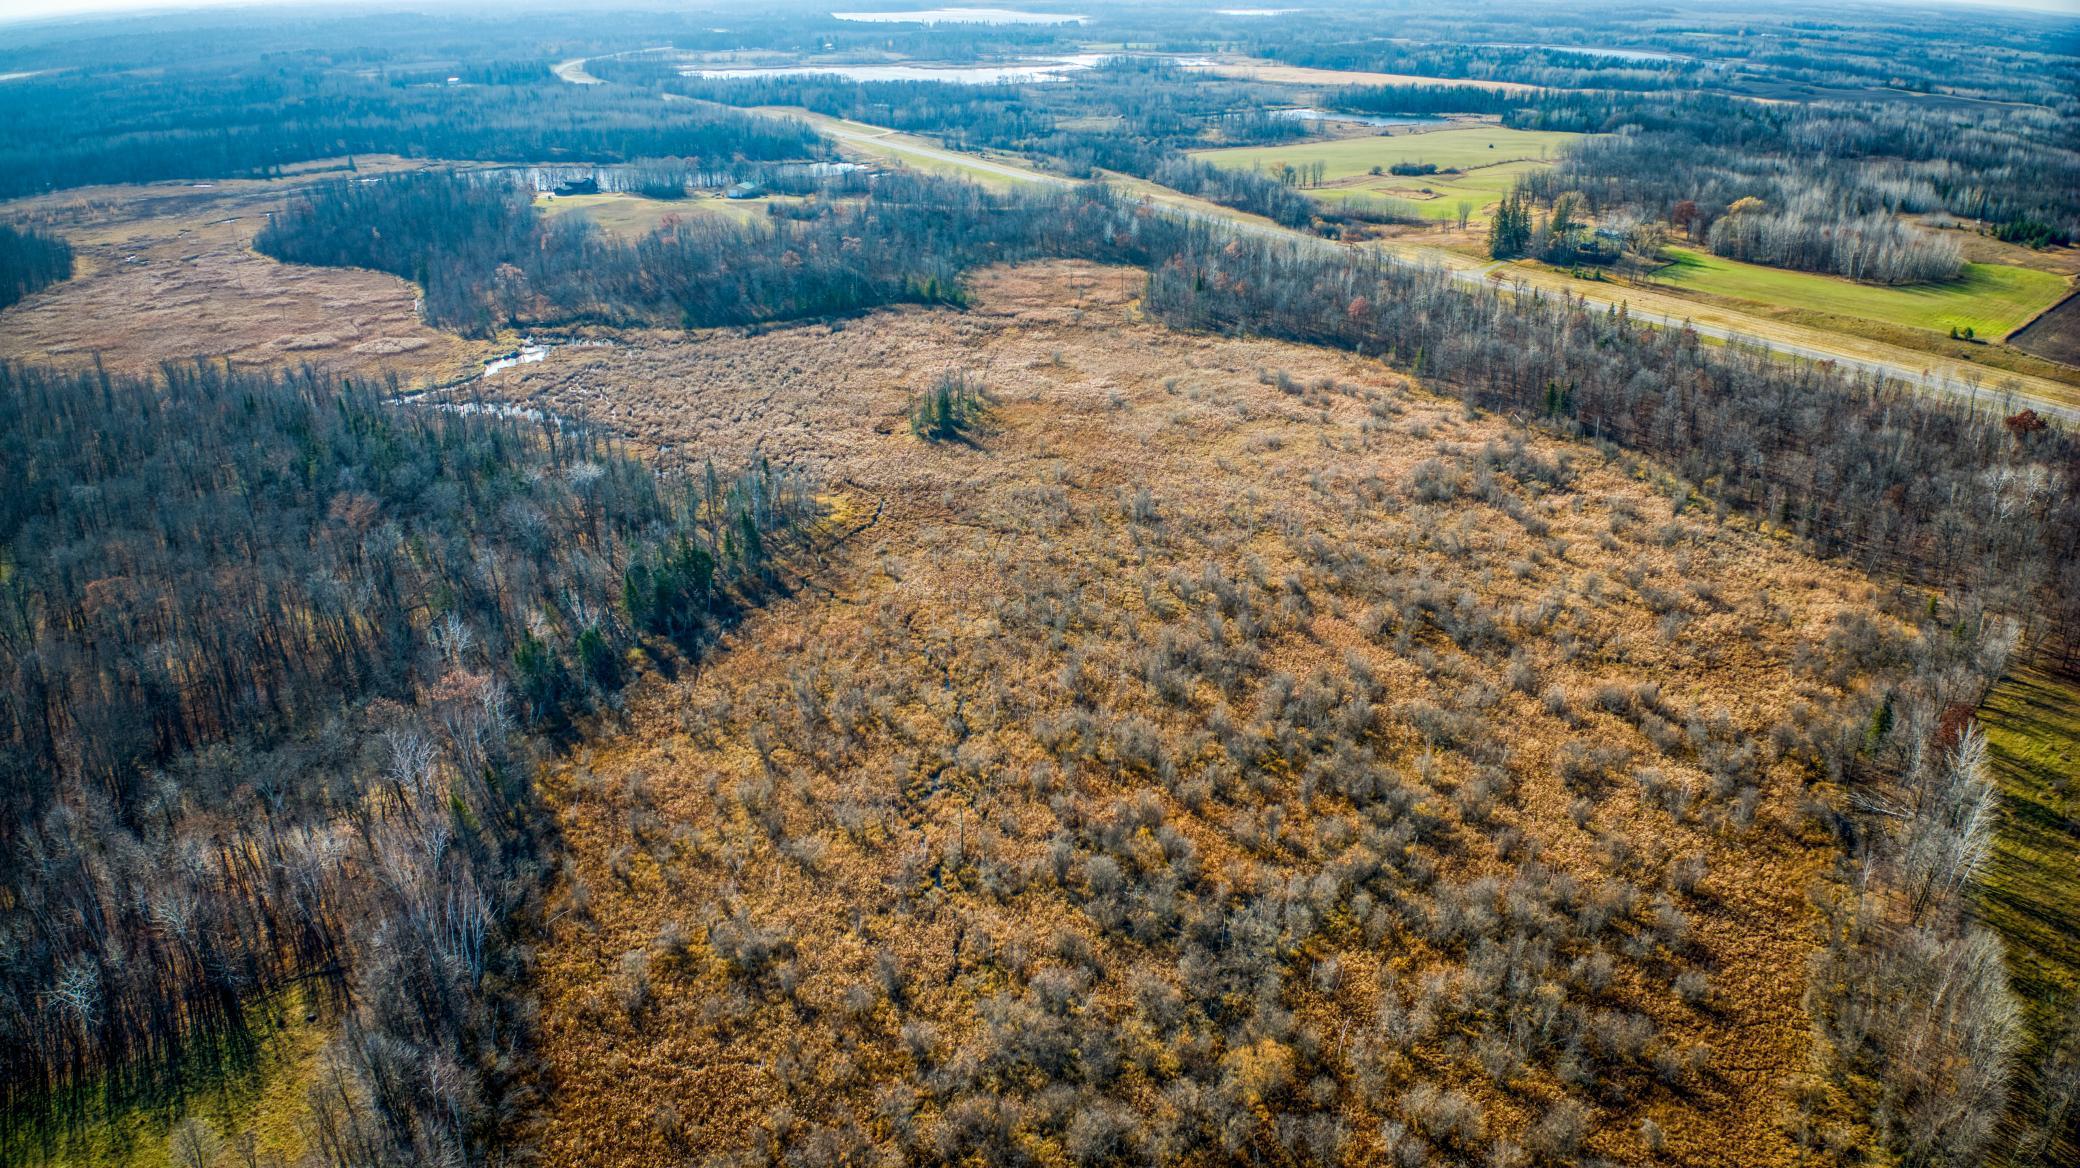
(2017, 172)
(1428, 99)
(1770, 53)
(30, 261)
(487, 259)
(1527, 64)
(965, 117)
(71, 130)
(271, 651)
(1155, 110)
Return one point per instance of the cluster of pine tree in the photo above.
(949, 409)
(30, 261)
(487, 259)
(1509, 233)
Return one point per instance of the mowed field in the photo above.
(1489, 158)
(1990, 299)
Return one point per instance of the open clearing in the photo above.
(1463, 147)
(1436, 196)
(1489, 158)
(264, 1092)
(167, 272)
(965, 591)
(1990, 299)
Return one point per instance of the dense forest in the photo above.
(488, 260)
(1152, 110)
(1816, 183)
(30, 261)
(1427, 99)
(66, 131)
(277, 652)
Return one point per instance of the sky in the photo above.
(45, 9)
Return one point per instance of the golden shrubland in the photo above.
(1230, 750)
(167, 273)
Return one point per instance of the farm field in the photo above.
(1489, 157)
(1990, 299)
(2054, 336)
(1436, 196)
(1464, 147)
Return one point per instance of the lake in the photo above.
(961, 16)
(1044, 69)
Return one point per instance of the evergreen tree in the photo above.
(1509, 235)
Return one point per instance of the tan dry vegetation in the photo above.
(167, 272)
(1183, 651)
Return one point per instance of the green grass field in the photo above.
(1437, 196)
(1460, 146)
(2030, 894)
(1489, 158)
(264, 1096)
(1991, 299)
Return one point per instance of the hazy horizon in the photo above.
(60, 10)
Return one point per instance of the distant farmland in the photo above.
(1488, 158)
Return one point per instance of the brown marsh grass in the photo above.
(1235, 751)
